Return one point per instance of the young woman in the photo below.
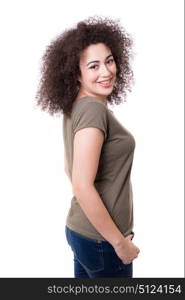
(85, 69)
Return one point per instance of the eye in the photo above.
(110, 60)
(93, 67)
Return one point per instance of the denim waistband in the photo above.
(96, 240)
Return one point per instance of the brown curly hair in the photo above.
(58, 86)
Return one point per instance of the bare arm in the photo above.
(87, 148)
(98, 215)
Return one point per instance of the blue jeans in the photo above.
(94, 258)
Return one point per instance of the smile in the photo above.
(105, 83)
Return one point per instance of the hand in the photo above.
(126, 250)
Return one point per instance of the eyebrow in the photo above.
(98, 60)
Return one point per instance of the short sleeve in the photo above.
(90, 114)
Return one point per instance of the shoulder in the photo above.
(88, 99)
(89, 112)
(88, 104)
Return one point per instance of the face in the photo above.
(98, 72)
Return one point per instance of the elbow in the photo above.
(79, 188)
(67, 173)
(66, 170)
(76, 189)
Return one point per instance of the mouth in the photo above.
(106, 83)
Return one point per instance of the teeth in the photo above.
(107, 81)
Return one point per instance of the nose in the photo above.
(104, 71)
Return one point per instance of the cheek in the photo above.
(92, 77)
(114, 69)
(89, 77)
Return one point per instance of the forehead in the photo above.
(95, 52)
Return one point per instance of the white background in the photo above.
(35, 193)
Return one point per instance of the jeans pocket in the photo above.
(87, 251)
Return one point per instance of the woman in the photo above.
(85, 69)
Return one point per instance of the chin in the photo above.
(106, 93)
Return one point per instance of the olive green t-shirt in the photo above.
(112, 180)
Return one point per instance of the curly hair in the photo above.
(58, 86)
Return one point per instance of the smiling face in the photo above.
(98, 72)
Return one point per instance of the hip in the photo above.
(97, 257)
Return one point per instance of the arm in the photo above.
(87, 148)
